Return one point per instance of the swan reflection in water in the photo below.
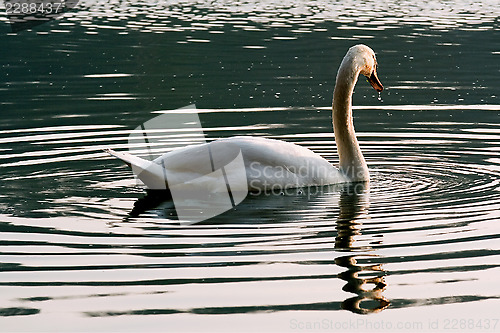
(367, 281)
(363, 277)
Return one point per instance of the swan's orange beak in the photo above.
(375, 82)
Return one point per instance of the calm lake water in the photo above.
(417, 249)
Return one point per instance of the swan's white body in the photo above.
(269, 165)
(274, 164)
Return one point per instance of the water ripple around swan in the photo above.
(426, 226)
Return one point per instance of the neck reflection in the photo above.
(364, 276)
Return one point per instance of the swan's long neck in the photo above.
(352, 162)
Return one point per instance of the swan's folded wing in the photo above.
(280, 164)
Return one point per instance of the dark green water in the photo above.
(418, 248)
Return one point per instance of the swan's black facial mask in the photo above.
(375, 82)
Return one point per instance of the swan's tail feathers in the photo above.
(151, 174)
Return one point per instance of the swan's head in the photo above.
(365, 61)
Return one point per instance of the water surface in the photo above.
(416, 248)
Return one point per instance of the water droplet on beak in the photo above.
(380, 97)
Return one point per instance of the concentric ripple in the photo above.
(425, 231)
(83, 248)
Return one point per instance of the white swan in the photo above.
(271, 164)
